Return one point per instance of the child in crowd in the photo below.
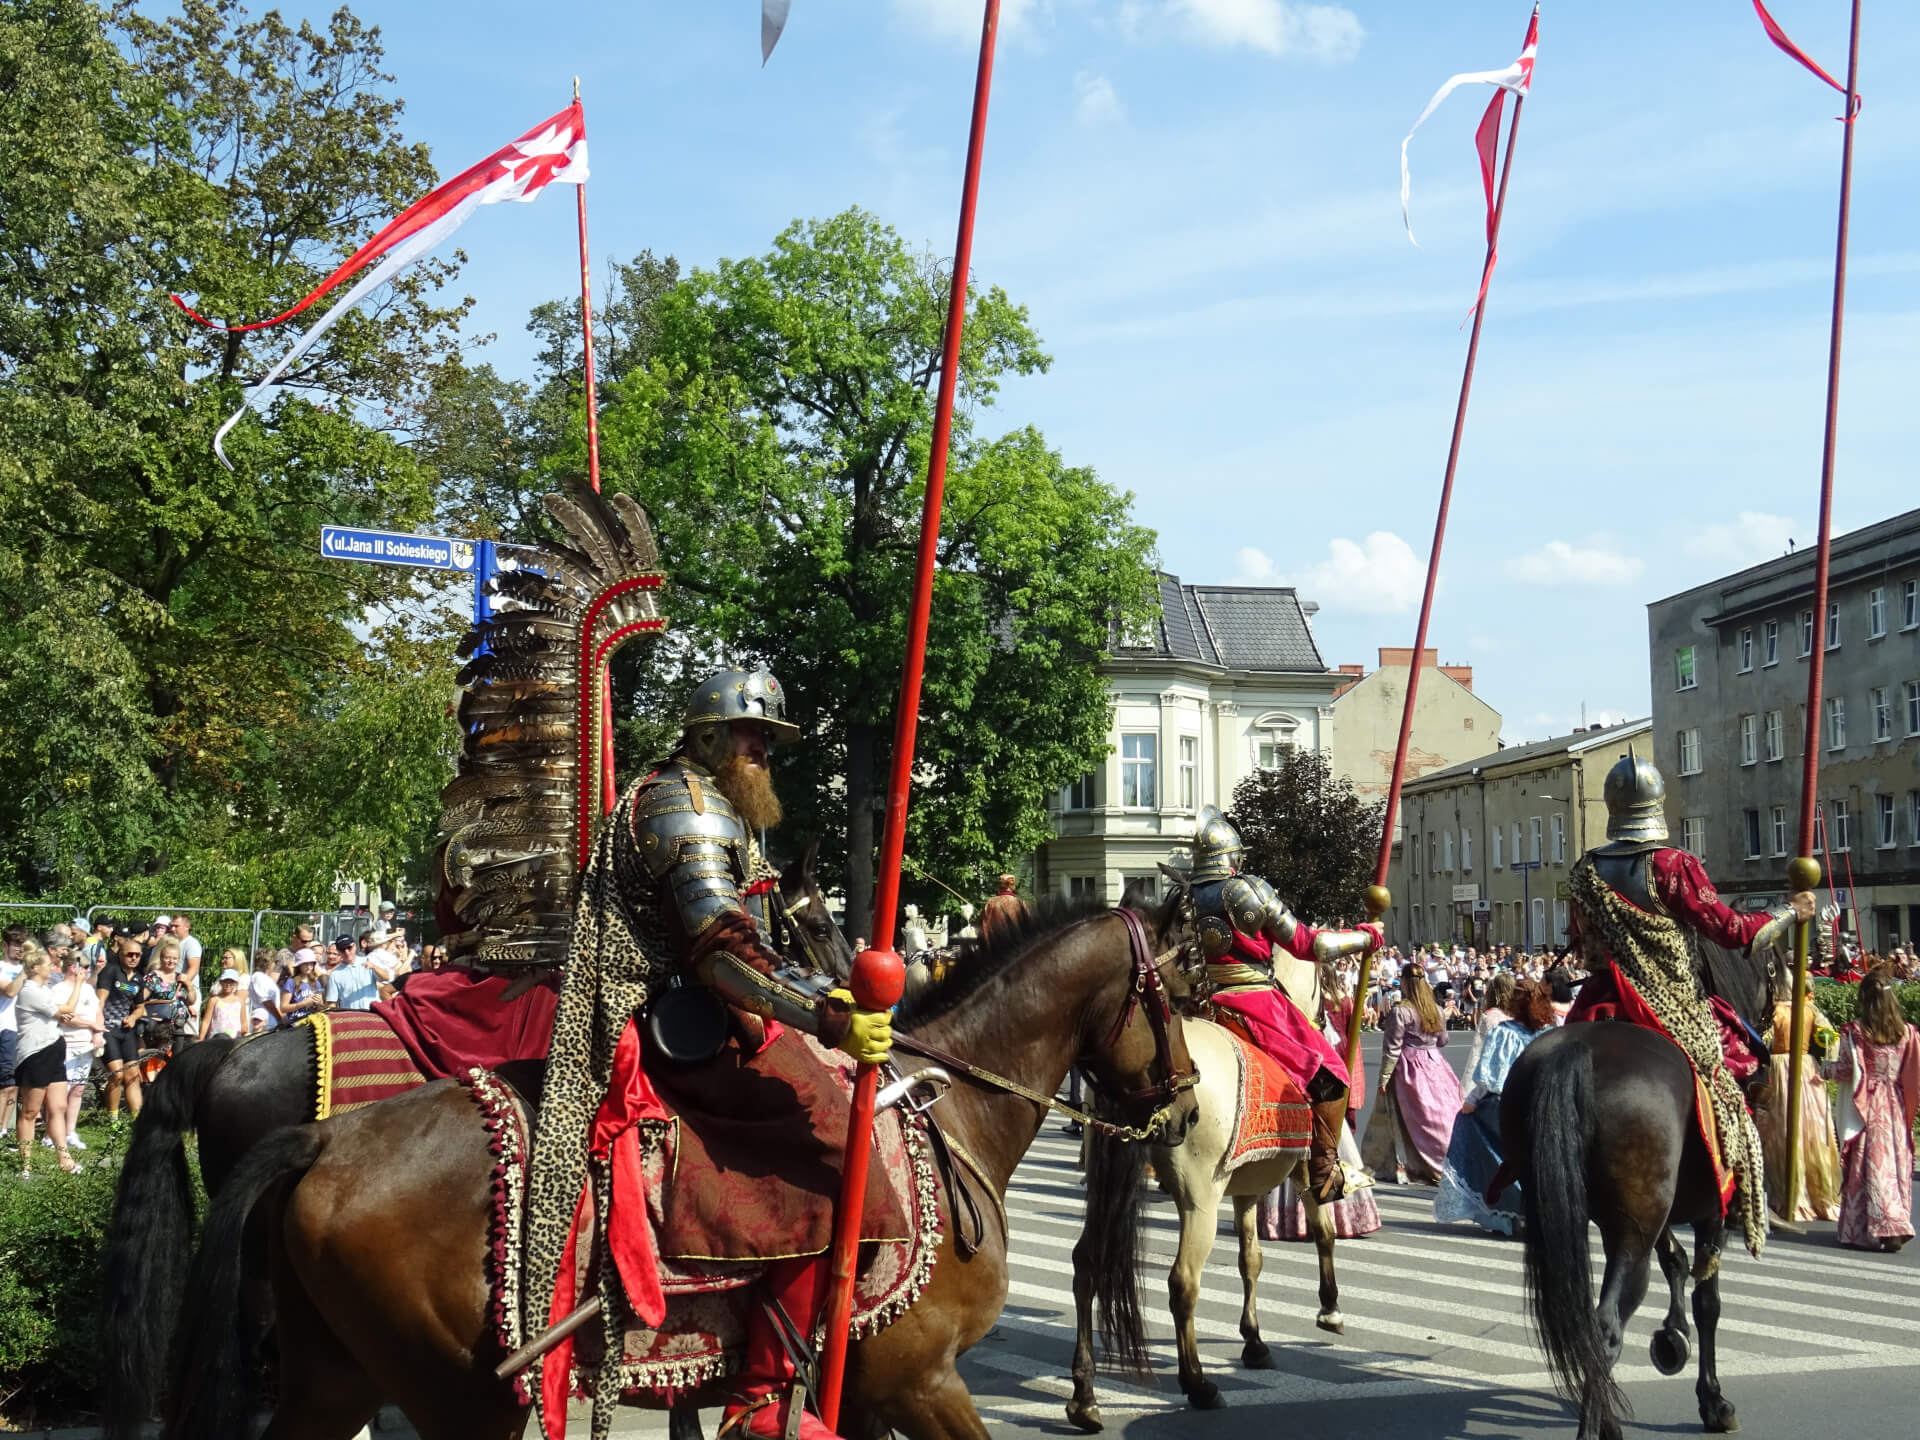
(226, 1009)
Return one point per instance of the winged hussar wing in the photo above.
(506, 868)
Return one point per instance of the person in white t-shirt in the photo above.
(263, 993)
(190, 950)
(83, 1030)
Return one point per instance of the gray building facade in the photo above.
(1729, 667)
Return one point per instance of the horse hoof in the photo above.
(1333, 1321)
(1084, 1417)
(1206, 1396)
(1257, 1356)
(1669, 1351)
(1719, 1419)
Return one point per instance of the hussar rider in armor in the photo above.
(1637, 905)
(668, 923)
(1263, 964)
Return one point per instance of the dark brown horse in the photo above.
(234, 1096)
(377, 1221)
(1597, 1120)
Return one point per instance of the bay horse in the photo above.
(233, 1095)
(1196, 1174)
(376, 1223)
(1597, 1122)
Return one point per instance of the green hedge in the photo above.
(1837, 1001)
(52, 1230)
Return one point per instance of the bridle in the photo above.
(784, 916)
(1146, 992)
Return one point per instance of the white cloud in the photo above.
(1255, 567)
(1558, 563)
(1095, 103)
(1378, 576)
(1330, 34)
(1752, 537)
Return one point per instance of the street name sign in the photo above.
(383, 547)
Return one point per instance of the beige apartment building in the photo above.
(1450, 722)
(1486, 844)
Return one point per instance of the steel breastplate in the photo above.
(1631, 876)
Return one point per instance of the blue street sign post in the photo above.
(419, 552)
(1526, 869)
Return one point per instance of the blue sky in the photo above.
(1198, 202)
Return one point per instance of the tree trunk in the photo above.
(860, 812)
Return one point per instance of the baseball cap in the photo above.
(230, 974)
(162, 920)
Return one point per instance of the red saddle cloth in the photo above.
(1271, 1114)
(453, 1020)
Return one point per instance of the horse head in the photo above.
(803, 925)
(1138, 1058)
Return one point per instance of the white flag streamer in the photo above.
(1515, 77)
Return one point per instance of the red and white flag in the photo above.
(1517, 77)
(1785, 43)
(554, 151)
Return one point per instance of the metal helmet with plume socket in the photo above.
(1217, 847)
(707, 730)
(1636, 796)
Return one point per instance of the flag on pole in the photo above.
(773, 19)
(1785, 42)
(1517, 77)
(554, 151)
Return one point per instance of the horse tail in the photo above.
(1109, 1247)
(214, 1365)
(144, 1270)
(1559, 1282)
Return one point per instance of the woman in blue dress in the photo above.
(1473, 1154)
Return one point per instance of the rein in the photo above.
(1149, 991)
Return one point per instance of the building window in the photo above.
(1837, 722)
(1913, 817)
(1433, 853)
(1806, 633)
(1693, 836)
(1466, 851)
(1539, 926)
(1913, 707)
(1079, 795)
(1083, 887)
(1560, 922)
(1749, 739)
(1779, 829)
(1910, 605)
(1776, 736)
(1770, 643)
(1557, 828)
(1842, 826)
(1189, 771)
(1744, 645)
(1139, 754)
(1516, 842)
(1833, 625)
(1446, 850)
(1496, 847)
(1753, 834)
(1876, 612)
(1144, 887)
(1690, 751)
(1280, 733)
(1886, 821)
(1881, 699)
(1533, 839)
(1683, 672)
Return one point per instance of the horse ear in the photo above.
(810, 857)
(1178, 878)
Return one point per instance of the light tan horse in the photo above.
(1195, 1173)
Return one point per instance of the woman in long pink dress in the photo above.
(1417, 1082)
(1879, 1074)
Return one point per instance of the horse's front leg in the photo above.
(1197, 1220)
(1669, 1348)
(683, 1421)
(1320, 1226)
(1083, 1411)
(1246, 1223)
(1716, 1412)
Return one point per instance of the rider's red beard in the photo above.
(750, 788)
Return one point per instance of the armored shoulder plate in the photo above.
(1248, 900)
(1630, 872)
(689, 836)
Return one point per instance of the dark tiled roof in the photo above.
(1535, 750)
(1238, 627)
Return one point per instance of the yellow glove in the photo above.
(869, 1037)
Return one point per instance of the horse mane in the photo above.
(978, 961)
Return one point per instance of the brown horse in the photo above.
(377, 1223)
(234, 1096)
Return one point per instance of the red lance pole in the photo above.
(877, 973)
(1803, 872)
(1378, 896)
(593, 474)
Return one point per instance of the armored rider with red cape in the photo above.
(1247, 934)
(676, 1012)
(1638, 904)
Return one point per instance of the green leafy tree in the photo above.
(1309, 834)
(171, 642)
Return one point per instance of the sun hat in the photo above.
(305, 956)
